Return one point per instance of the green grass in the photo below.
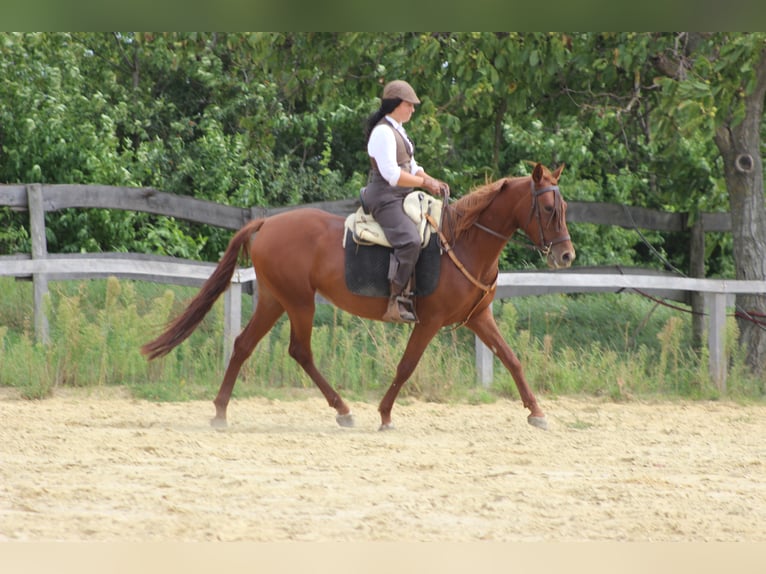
(614, 345)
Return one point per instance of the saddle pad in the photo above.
(367, 268)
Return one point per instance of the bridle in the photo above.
(543, 247)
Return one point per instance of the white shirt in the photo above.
(382, 148)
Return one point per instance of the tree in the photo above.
(716, 83)
(680, 117)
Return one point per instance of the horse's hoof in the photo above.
(386, 427)
(218, 423)
(346, 420)
(538, 422)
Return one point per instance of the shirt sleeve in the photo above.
(382, 148)
(414, 167)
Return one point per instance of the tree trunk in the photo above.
(740, 147)
(502, 108)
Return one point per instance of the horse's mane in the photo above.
(469, 207)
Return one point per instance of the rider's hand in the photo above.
(433, 186)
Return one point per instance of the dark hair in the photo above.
(386, 107)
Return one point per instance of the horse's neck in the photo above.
(478, 249)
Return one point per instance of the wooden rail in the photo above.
(718, 295)
(39, 199)
(717, 292)
(154, 269)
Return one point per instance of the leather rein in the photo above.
(486, 289)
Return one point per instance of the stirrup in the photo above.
(408, 305)
(397, 305)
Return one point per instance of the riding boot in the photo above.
(400, 307)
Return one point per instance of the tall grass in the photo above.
(617, 345)
(359, 358)
(613, 345)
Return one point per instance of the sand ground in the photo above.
(100, 466)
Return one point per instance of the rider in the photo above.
(393, 174)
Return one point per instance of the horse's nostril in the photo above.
(567, 257)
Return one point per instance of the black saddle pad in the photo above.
(367, 268)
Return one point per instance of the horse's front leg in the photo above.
(419, 339)
(483, 324)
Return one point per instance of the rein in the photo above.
(486, 289)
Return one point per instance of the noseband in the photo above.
(544, 248)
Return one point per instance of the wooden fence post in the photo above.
(39, 251)
(717, 338)
(232, 319)
(485, 360)
(697, 270)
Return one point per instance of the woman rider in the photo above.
(393, 174)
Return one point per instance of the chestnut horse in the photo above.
(297, 254)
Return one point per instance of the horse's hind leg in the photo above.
(301, 324)
(267, 311)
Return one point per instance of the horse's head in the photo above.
(533, 204)
(546, 224)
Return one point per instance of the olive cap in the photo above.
(400, 89)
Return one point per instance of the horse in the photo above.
(297, 254)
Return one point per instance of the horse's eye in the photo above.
(548, 209)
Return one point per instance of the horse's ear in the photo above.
(537, 173)
(556, 174)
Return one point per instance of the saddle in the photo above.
(367, 251)
(364, 230)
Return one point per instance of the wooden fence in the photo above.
(710, 295)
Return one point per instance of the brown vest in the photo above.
(404, 154)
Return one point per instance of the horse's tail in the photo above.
(183, 326)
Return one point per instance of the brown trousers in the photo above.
(385, 204)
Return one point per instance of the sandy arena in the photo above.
(98, 466)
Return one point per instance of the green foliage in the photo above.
(24, 366)
(14, 237)
(276, 119)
